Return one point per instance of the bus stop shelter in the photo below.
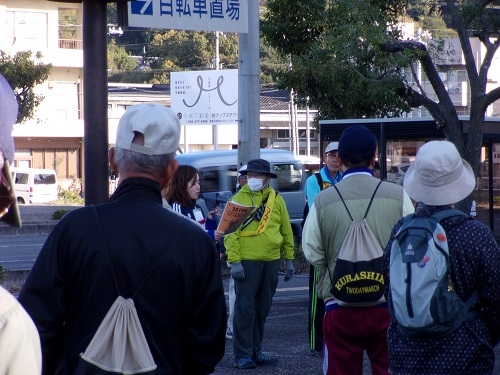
(399, 140)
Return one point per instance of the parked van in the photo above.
(34, 185)
(218, 172)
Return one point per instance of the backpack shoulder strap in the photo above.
(371, 199)
(320, 180)
(103, 243)
(342, 199)
(369, 204)
(445, 214)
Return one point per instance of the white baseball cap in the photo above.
(333, 146)
(159, 125)
(243, 168)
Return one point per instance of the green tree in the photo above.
(119, 59)
(271, 64)
(24, 73)
(361, 40)
(228, 50)
(189, 49)
(67, 24)
(427, 15)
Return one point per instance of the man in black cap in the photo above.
(254, 252)
(350, 330)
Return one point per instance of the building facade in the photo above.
(54, 138)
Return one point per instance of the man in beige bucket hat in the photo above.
(437, 180)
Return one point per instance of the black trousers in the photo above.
(316, 312)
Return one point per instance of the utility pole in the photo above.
(248, 88)
(95, 98)
(293, 117)
(308, 136)
(215, 127)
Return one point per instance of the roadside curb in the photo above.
(38, 228)
(14, 280)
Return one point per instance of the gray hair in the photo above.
(132, 161)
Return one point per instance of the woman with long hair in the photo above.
(181, 193)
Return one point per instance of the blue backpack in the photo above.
(422, 297)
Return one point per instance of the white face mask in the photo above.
(255, 184)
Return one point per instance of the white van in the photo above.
(218, 172)
(33, 185)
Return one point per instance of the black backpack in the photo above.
(306, 207)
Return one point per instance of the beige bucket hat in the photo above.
(439, 176)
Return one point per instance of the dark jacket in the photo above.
(181, 305)
(475, 266)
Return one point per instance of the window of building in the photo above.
(303, 134)
(27, 29)
(283, 134)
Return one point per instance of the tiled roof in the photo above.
(277, 100)
(270, 100)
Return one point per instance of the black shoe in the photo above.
(265, 360)
(244, 363)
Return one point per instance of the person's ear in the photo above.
(169, 173)
(111, 158)
(372, 162)
(341, 164)
(172, 167)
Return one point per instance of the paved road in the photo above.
(20, 247)
(19, 252)
(286, 337)
(286, 327)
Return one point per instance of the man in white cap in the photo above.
(437, 180)
(329, 175)
(166, 263)
(241, 180)
(20, 351)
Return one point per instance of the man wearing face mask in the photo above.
(254, 252)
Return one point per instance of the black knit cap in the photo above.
(357, 144)
(259, 166)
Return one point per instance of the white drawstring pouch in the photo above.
(119, 344)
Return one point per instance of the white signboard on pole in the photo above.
(203, 15)
(207, 97)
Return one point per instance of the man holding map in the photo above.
(254, 252)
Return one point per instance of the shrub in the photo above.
(496, 200)
(58, 214)
(72, 195)
(3, 274)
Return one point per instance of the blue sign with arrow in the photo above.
(143, 7)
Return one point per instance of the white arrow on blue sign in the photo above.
(144, 7)
(203, 15)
